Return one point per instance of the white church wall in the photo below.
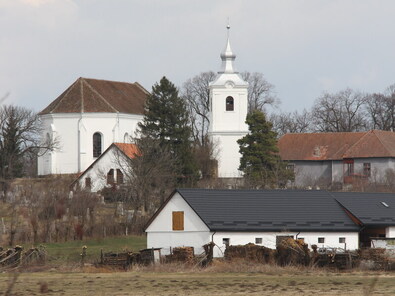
(223, 120)
(75, 154)
(228, 155)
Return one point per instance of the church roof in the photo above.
(93, 95)
(337, 146)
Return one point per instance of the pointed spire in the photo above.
(227, 56)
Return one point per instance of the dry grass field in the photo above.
(156, 281)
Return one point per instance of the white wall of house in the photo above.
(331, 239)
(390, 232)
(160, 233)
(112, 159)
(75, 133)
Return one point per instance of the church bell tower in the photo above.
(228, 112)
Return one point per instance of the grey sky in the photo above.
(302, 47)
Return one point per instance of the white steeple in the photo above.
(227, 57)
(228, 111)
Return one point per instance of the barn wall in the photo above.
(269, 239)
(390, 232)
(161, 235)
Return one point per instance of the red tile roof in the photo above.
(93, 95)
(130, 150)
(336, 146)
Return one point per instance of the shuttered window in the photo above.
(178, 220)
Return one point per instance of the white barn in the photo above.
(195, 217)
(86, 119)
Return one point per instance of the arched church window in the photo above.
(126, 138)
(97, 144)
(230, 104)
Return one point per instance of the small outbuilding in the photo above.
(109, 169)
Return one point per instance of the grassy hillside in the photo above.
(69, 252)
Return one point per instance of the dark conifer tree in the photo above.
(260, 159)
(166, 119)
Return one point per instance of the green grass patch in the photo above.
(69, 252)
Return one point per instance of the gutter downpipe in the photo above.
(212, 236)
(79, 143)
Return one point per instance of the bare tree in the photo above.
(20, 132)
(339, 112)
(291, 122)
(381, 109)
(196, 93)
(2, 99)
(260, 92)
(150, 175)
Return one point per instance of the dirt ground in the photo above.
(198, 283)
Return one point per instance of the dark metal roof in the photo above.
(268, 210)
(370, 208)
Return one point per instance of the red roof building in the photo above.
(320, 159)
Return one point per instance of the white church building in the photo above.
(86, 119)
(92, 114)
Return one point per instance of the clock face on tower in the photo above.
(229, 84)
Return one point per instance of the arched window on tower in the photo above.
(97, 144)
(230, 104)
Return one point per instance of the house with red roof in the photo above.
(109, 170)
(324, 159)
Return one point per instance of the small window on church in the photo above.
(110, 177)
(97, 144)
(230, 104)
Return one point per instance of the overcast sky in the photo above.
(302, 47)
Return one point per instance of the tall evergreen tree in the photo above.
(260, 160)
(166, 119)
